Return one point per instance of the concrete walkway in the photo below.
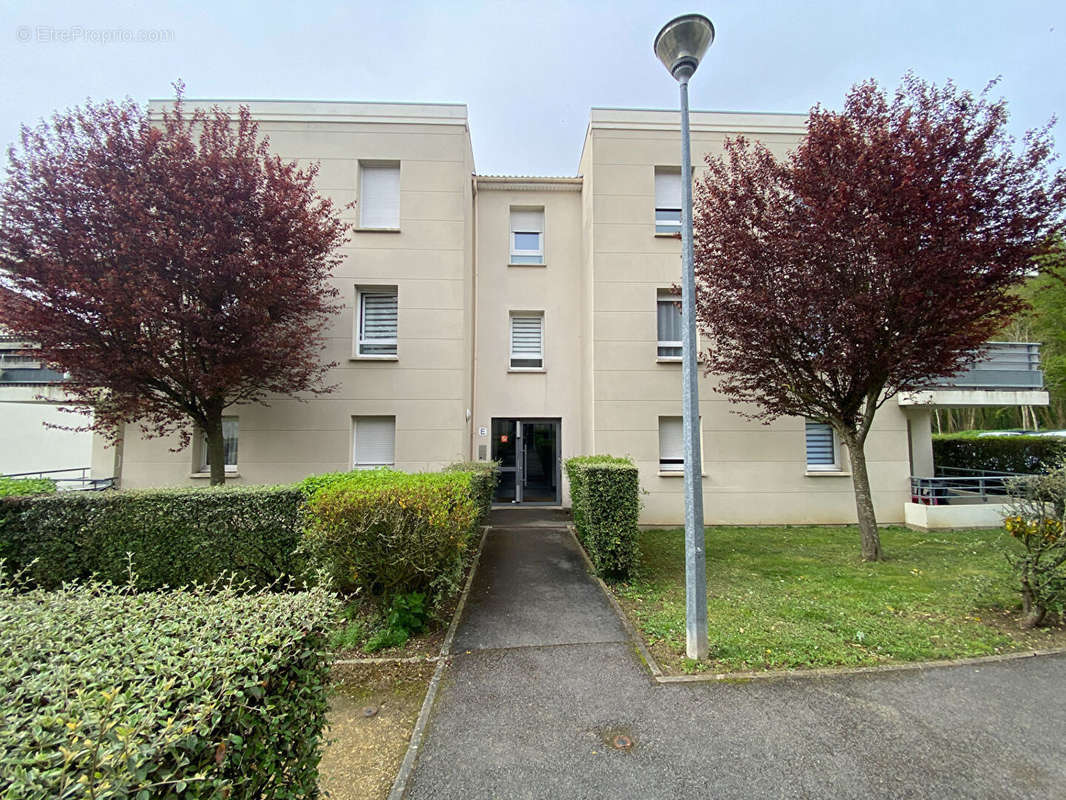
(544, 679)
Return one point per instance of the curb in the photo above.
(832, 672)
(783, 674)
(399, 786)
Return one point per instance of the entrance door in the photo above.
(528, 452)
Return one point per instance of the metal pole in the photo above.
(695, 555)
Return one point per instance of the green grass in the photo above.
(793, 597)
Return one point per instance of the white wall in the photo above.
(26, 445)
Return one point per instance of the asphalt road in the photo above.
(544, 680)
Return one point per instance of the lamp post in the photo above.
(680, 45)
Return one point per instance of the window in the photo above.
(527, 235)
(668, 306)
(229, 446)
(821, 447)
(527, 341)
(379, 195)
(667, 200)
(671, 445)
(374, 442)
(376, 335)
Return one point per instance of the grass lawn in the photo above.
(795, 597)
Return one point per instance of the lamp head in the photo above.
(682, 42)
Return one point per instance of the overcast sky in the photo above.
(529, 71)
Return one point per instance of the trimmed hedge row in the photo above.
(485, 476)
(197, 693)
(385, 533)
(1022, 454)
(175, 536)
(605, 502)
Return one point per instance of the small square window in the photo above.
(376, 328)
(671, 445)
(229, 445)
(527, 341)
(527, 236)
(822, 451)
(374, 442)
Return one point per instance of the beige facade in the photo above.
(518, 298)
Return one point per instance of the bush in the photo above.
(605, 502)
(197, 693)
(386, 533)
(1035, 519)
(18, 487)
(485, 478)
(176, 536)
(1021, 454)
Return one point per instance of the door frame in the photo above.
(557, 424)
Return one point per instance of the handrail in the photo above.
(83, 481)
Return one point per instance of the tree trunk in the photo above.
(864, 504)
(216, 447)
(1034, 612)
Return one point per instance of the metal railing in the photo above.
(957, 486)
(80, 481)
(1002, 365)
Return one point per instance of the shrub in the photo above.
(1021, 454)
(605, 502)
(485, 478)
(1035, 519)
(176, 536)
(386, 533)
(197, 693)
(17, 487)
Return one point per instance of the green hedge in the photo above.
(18, 487)
(1022, 454)
(197, 693)
(385, 533)
(605, 502)
(485, 477)
(175, 536)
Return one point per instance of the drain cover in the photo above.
(369, 711)
(622, 742)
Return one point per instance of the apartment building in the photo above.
(529, 319)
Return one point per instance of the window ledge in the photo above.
(374, 358)
(676, 474)
(526, 369)
(377, 230)
(670, 360)
(827, 473)
(200, 475)
(542, 264)
(674, 235)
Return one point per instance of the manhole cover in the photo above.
(622, 742)
(369, 711)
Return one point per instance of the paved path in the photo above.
(550, 677)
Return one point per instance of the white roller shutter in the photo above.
(379, 196)
(377, 323)
(671, 447)
(375, 441)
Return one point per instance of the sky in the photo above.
(528, 71)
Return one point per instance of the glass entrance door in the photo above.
(528, 452)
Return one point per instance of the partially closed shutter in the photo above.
(379, 196)
(671, 449)
(527, 341)
(821, 452)
(375, 441)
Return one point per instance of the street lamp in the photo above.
(680, 45)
